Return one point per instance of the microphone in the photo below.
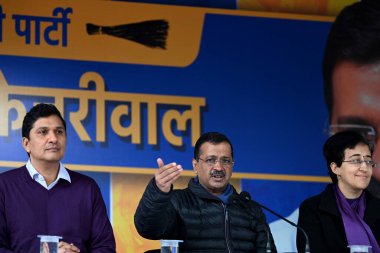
(246, 196)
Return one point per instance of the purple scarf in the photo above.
(357, 231)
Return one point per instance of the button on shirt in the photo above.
(62, 174)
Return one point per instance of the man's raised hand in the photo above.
(167, 174)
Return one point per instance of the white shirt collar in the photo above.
(62, 174)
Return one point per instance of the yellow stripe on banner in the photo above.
(151, 171)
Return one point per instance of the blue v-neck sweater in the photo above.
(75, 211)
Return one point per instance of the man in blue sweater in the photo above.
(44, 198)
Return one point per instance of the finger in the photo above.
(163, 167)
(169, 176)
(45, 247)
(165, 180)
(69, 248)
(166, 169)
(74, 248)
(172, 177)
(63, 244)
(163, 174)
(172, 173)
(160, 163)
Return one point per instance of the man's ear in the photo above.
(195, 167)
(25, 144)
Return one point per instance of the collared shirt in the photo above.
(62, 174)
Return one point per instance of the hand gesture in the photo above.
(166, 174)
(64, 247)
(45, 247)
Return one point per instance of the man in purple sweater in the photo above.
(44, 198)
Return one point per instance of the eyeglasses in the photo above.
(224, 162)
(368, 131)
(358, 162)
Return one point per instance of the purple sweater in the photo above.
(75, 211)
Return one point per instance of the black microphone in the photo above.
(245, 195)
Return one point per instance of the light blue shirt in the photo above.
(62, 174)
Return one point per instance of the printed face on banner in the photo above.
(47, 141)
(214, 166)
(356, 90)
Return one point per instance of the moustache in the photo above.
(217, 173)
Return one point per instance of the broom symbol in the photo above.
(151, 33)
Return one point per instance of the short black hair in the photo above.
(39, 111)
(212, 137)
(354, 37)
(334, 148)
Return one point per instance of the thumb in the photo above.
(160, 163)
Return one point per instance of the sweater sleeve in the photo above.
(4, 237)
(102, 237)
(155, 216)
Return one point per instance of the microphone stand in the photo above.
(269, 246)
(307, 246)
(244, 198)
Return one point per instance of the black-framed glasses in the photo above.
(358, 162)
(224, 162)
(367, 130)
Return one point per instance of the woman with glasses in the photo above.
(345, 213)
